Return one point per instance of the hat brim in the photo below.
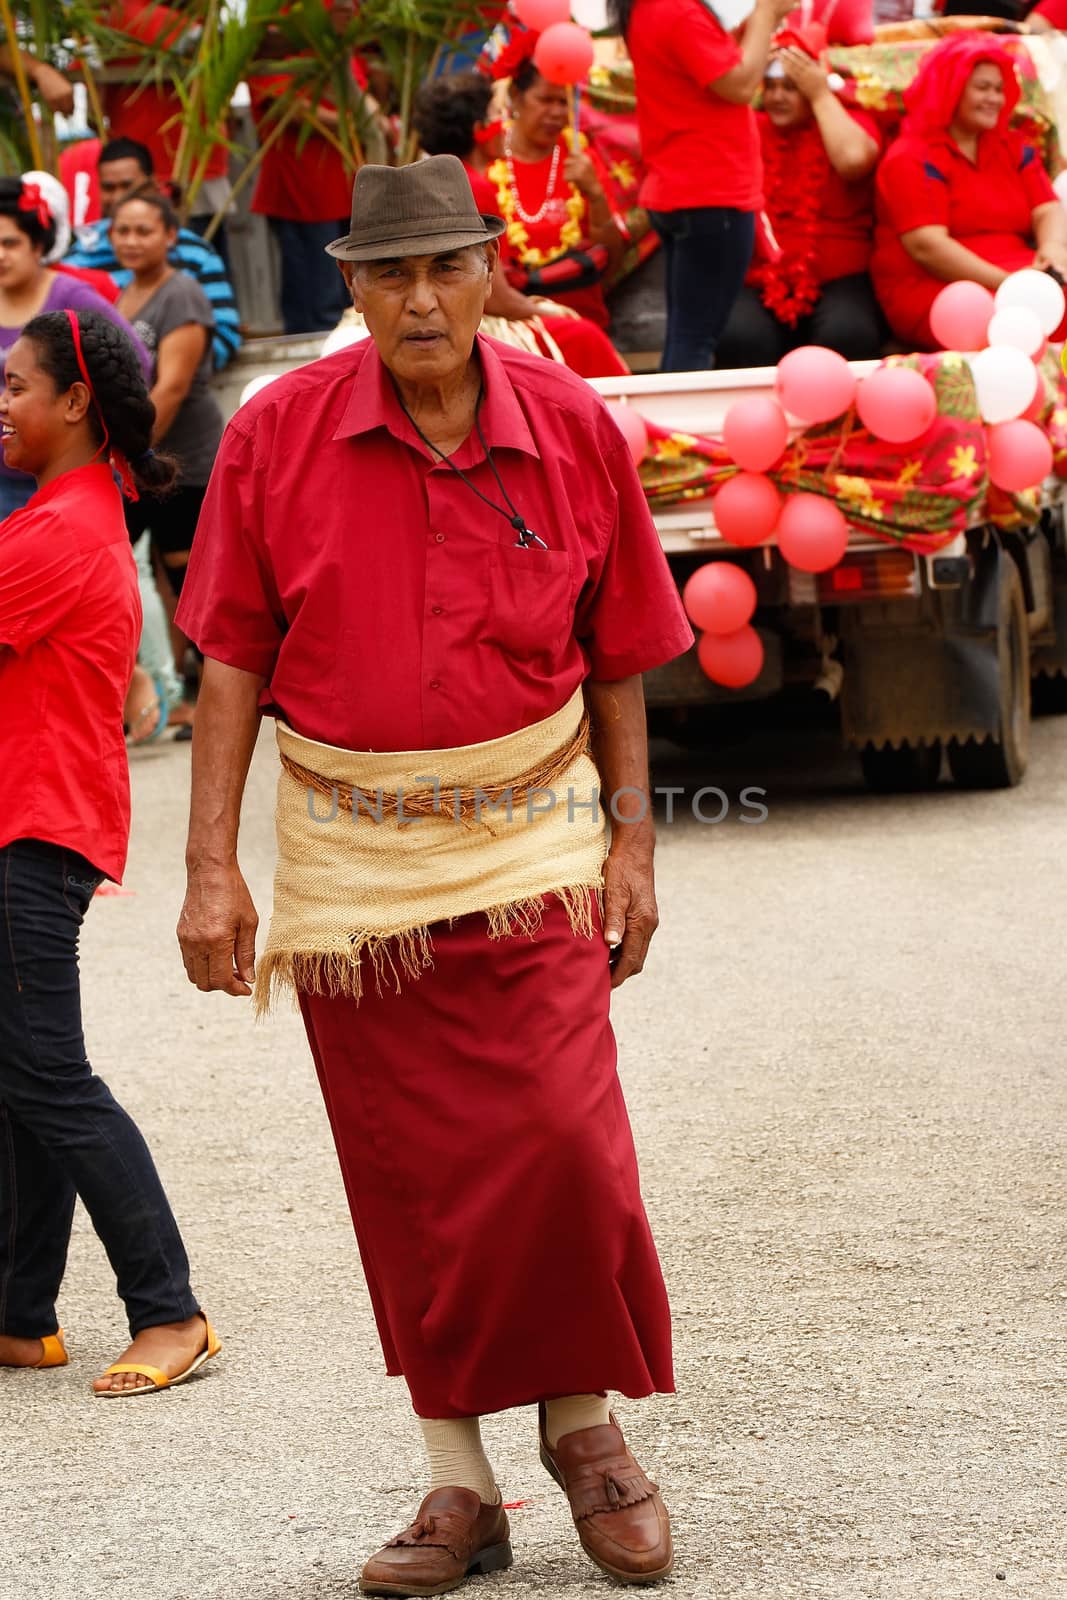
(423, 244)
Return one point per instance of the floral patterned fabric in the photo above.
(919, 496)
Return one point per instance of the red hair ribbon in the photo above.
(31, 199)
(115, 457)
(488, 131)
(519, 48)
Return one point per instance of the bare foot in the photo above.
(143, 708)
(171, 1346)
(20, 1352)
(182, 715)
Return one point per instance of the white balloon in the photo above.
(343, 335)
(254, 385)
(1005, 380)
(1038, 292)
(1017, 327)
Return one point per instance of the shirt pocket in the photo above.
(531, 605)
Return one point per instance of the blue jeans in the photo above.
(708, 249)
(314, 297)
(61, 1131)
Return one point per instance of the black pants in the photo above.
(708, 249)
(172, 520)
(846, 318)
(62, 1132)
(313, 293)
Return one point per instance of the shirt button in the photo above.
(439, 538)
(436, 610)
(435, 683)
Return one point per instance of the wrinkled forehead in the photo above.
(469, 253)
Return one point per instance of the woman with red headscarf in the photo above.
(959, 195)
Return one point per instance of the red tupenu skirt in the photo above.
(491, 1174)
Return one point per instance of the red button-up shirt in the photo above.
(70, 621)
(387, 606)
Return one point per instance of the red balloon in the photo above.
(731, 659)
(1039, 404)
(631, 425)
(959, 317)
(756, 432)
(719, 597)
(541, 14)
(1020, 455)
(815, 384)
(747, 508)
(896, 404)
(564, 53)
(812, 533)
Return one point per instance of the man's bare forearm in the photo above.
(227, 722)
(620, 742)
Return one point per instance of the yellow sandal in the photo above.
(157, 1378)
(55, 1352)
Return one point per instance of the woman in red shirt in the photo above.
(700, 147)
(959, 195)
(818, 161)
(553, 199)
(73, 411)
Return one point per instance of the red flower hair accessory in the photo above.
(31, 199)
(519, 49)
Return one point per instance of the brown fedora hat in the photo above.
(420, 210)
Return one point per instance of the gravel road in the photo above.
(845, 1071)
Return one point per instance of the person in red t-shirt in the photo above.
(74, 412)
(818, 161)
(700, 147)
(959, 195)
(450, 117)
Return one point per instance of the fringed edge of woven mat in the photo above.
(407, 952)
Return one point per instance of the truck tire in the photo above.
(999, 761)
(1048, 694)
(905, 771)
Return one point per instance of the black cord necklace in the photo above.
(527, 539)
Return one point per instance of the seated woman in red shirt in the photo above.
(74, 409)
(450, 117)
(554, 200)
(959, 195)
(818, 161)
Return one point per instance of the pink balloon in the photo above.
(541, 14)
(732, 659)
(631, 425)
(959, 317)
(756, 432)
(812, 533)
(564, 53)
(896, 404)
(815, 384)
(719, 597)
(1038, 405)
(1020, 455)
(747, 508)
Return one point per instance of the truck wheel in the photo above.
(999, 761)
(1048, 694)
(904, 771)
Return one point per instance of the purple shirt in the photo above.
(71, 293)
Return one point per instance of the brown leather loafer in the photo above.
(621, 1519)
(453, 1535)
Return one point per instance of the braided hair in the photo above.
(118, 384)
(27, 221)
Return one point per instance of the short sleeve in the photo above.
(1035, 180)
(629, 616)
(1054, 13)
(912, 191)
(185, 303)
(41, 578)
(701, 48)
(229, 606)
(869, 125)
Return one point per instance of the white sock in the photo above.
(572, 1412)
(457, 1460)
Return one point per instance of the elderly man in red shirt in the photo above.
(430, 558)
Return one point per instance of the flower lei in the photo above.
(796, 168)
(501, 174)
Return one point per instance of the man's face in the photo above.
(118, 178)
(423, 311)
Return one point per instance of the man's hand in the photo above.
(53, 88)
(217, 931)
(809, 76)
(630, 912)
(778, 9)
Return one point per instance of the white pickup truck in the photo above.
(925, 654)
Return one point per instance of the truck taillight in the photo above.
(870, 575)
